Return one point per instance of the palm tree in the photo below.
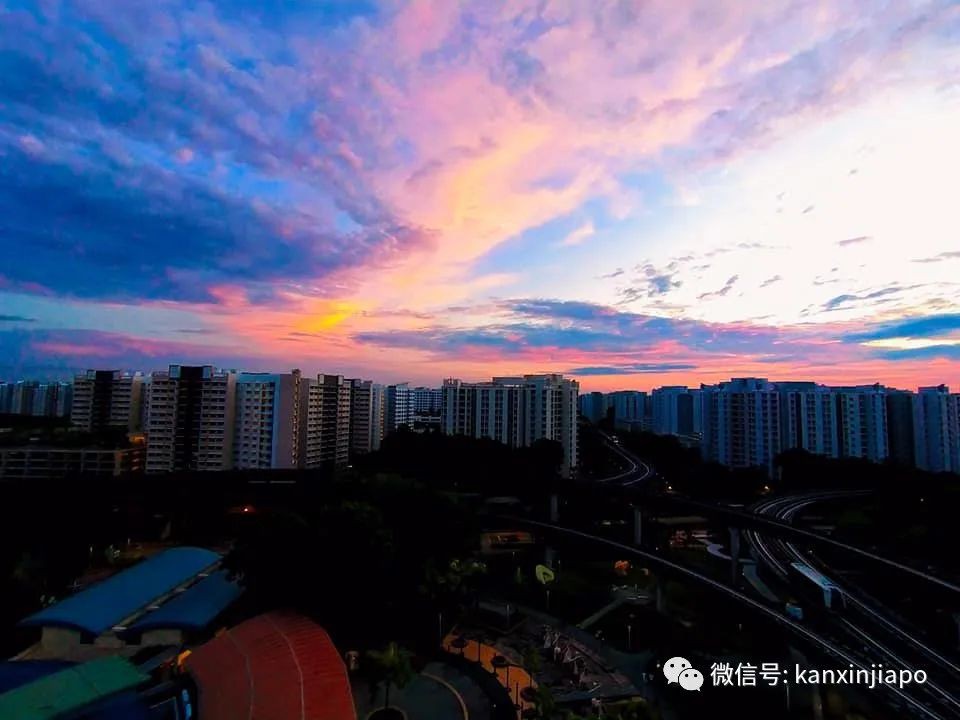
(391, 666)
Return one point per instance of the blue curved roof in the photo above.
(193, 609)
(100, 607)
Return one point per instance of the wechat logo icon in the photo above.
(679, 670)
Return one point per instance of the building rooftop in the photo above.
(106, 604)
(14, 673)
(71, 689)
(194, 608)
(278, 666)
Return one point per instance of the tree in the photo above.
(544, 703)
(531, 659)
(453, 583)
(390, 666)
(629, 710)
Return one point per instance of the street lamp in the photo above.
(500, 662)
(460, 643)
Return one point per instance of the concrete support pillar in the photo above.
(734, 556)
(637, 526)
(554, 508)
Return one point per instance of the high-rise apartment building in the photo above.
(628, 405)
(366, 416)
(425, 404)
(497, 412)
(593, 406)
(808, 418)
(39, 399)
(327, 423)
(190, 419)
(674, 410)
(6, 397)
(52, 399)
(107, 399)
(901, 437)
(516, 411)
(936, 422)
(44, 399)
(63, 402)
(21, 397)
(456, 414)
(741, 423)
(269, 419)
(399, 408)
(426, 400)
(862, 422)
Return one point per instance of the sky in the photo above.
(633, 193)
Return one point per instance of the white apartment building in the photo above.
(808, 418)
(516, 411)
(862, 422)
(936, 424)
(426, 400)
(741, 423)
(51, 399)
(190, 419)
(629, 406)
(425, 405)
(366, 416)
(675, 410)
(327, 422)
(21, 397)
(399, 408)
(270, 411)
(6, 397)
(107, 398)
(594, 405)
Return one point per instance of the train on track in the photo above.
(815, 590)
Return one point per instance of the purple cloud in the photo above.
(727, 287)
(859, 240)
(941, 257)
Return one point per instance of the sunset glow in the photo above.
(636, 194)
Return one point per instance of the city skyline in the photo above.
(413, 191)
(646, 382)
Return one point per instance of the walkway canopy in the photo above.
(193, 609)
(106, 604)
(275, 666)
(72, 690)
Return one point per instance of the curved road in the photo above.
(637, 470)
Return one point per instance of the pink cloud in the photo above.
(421, 26)
(69, 349)
(32, 144)
(184, 155)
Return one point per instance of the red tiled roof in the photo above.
(272, 667)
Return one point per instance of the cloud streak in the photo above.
(722, 292)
